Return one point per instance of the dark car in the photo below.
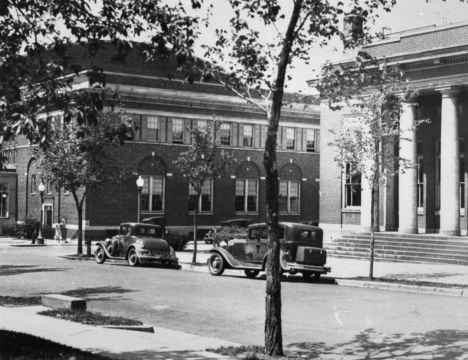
(301, 251)
(137, 243)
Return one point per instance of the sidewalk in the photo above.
(117, 344)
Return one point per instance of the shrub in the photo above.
(177, 238)
(226, 234)
(26, 228)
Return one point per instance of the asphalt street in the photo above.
(318, 318)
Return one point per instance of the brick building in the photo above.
(430, 198)
(162, 112)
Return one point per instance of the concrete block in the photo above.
(58, 301)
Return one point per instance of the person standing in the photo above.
(63, 228)
(35, 230)
(58, 231)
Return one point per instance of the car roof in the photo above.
(234, 220)
(291, 225)
(133, 224)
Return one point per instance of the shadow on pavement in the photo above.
(91, 293)
(158, 354)
(9, 270)
(437, 344)
(422, 275)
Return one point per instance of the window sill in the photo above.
(246, 213)
(289, 213)
(152, 213)
(200, 213)
(351, 210)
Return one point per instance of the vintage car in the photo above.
(137, 243)
(301, 251)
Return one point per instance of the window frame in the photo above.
(4, 201)
(33, 185)
(200, 200)
(148, 181)
(180, 139)
(288, 197)
(290, 142)
(348, 185)
(248, 141)
(246, 196)
(223, 139)
(155, 125)
(314, 141)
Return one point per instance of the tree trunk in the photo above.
(80, 229)
(194, 258)
(371, 265)
(273, 326)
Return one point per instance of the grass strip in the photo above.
(90, 317)
(251, 352)
(410, 282)
(19, 346)
(20, 300)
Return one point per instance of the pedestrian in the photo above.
(63, 227)
(35, 230)
(58, 231)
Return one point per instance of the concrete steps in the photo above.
(394, 247)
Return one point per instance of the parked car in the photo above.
(235, 223)
(137, 243)
(301, 251)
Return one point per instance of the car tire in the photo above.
(251, 274)
(132, 258)
(216, 265)
(100, 255)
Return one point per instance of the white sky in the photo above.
(407, 14)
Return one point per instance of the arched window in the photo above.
(290, 189)
(247, 187)
(153, 172)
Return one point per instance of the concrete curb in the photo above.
(404, 288)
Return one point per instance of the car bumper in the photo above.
(148, 257)
(304, 267)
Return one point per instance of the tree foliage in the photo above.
(80, 159)
(36, 62)
(201, 162)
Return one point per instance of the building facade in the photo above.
(430, 197)
(162, 112)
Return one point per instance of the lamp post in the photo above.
(140, 182)
(40, 238)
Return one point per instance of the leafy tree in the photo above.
(36, 61)
(79, 159)
(201, 162)
(367, 147)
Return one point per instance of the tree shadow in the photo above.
(9, 270)
(422, 276)
(160, 354)
(369, 344)
(93, 294)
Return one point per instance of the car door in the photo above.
(253, 246)
(124, 232)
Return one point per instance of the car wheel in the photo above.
(251, 273)
(133, 258)
(216, 264)
(100, 255)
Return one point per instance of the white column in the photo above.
(408, 186)
(449, 165)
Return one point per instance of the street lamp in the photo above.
(40, 238)
(140, 182)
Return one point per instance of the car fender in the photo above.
(231, 262)
(283, 261)
(102, 244)
(133, 246)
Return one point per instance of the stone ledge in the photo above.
(143, 328)
(62, 301)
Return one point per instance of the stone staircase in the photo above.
(395, 247)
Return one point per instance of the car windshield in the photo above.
(151, 232)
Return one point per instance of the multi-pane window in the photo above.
(177, 131)
(225, 134)
(4, 200)
(246, 195)
(290, 139)
(201, 124)
(205, 202)
(289, 196)
(152, 193)
(153, 128)
(33, 184)
(310, 140)
(420, 182)
(248, 135)
(352, 188)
